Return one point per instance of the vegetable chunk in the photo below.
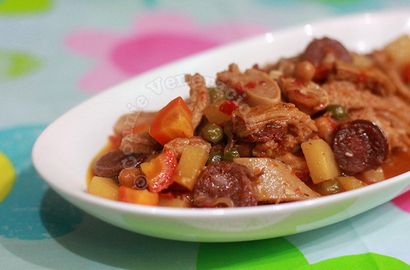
(103, 187)
(320, 160)
(144, 197)
(193, 159)
(159, 171)
(172, 121)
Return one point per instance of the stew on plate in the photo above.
(322, 122)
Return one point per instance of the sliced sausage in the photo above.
(319, 49)
(359, 145)
(110, 164)
(224, 184)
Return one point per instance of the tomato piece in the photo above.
(172, 121)
(159, 171)
(227, 107)
(136, 196)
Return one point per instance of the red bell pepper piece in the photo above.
(172, 121)
(159, 171)
(227, 107)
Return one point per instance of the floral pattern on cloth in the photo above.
(18, 7)
(279, 253)
(155, 39)
(15, 64)
(403, 201)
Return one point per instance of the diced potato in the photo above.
(214, 115)
(350, 182)
(136, 196)
(373, 175)
(320, 160)
(103, 187)
(399, 50)
(173, 202)
(192, 161)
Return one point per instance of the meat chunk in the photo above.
(276, 129)
(198, 97)
(325, 49)
(308, 97)
(135, 120)
(358, 146)
(178, 145)
(386, 112)
(395, 129)
(224, 184)
(259, 88)
(323, 53)
(346, 94)
(139, 143)
(110, 164)
(326, 127)
(275, 181)
(383, 61)
(364, 78)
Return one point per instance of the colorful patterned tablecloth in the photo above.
(54, 54)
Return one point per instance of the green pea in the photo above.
(216, 94)
(338, 112)
(214, 157)
(230, 154)
(329, 187)
(212, 133)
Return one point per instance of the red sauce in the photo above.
(397, 164)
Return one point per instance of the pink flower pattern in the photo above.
(155, 39)
(403, 201)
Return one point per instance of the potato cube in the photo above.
(103, 187)
(192, 161)
(350, 182)
(320, 160)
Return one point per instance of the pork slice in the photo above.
(260, 123)
(275, 129)
(198, 97)
(275, 182)
(385, 63)
(370, 78)
(346, 94)
(127, 122)
(139, 143)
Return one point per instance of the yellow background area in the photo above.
(7, 176)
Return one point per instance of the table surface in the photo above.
(54, 54)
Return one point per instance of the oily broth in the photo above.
(398, 163)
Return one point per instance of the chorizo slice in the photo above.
(224, 184)
(359, 146)
(110, 164)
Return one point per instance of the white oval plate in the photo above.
(63, 151)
